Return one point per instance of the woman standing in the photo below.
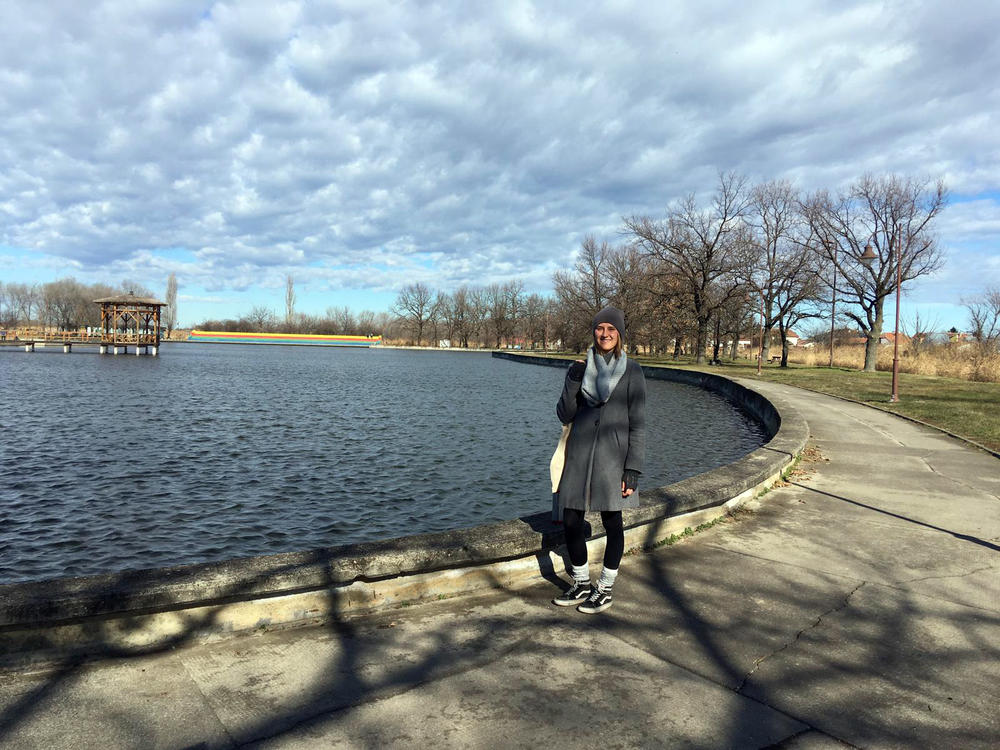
(604, 399)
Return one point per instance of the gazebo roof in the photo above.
(130, 299)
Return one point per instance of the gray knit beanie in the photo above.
(611, 315)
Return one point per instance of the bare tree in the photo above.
(514, 292)
(585, 290)
(133, 286)
(497, 305)
(383, 322)
(171, 317)
(366, 323)
(887, 213)
(779, 263)
(462, 313)
(23, 299)
(698, 246)
(66, 304)
(503, 308)
(460, 316)
(260, 319)
(735, 321)
(413, 306)
(536, 320)
(478, 315)
(920, 331)
(346, 321)
(631, 278)
(289, 300)
(436, 319)
(7, 319)
(984, 320)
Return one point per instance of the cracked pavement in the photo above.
(857, 605)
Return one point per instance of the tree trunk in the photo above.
(871, 350)
(871, 345)
(783, 333)
(701, 342)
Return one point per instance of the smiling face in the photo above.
(606, 338)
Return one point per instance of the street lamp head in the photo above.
(868, 256)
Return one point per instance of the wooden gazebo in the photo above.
(127, 320)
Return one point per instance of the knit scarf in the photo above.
(601, 377)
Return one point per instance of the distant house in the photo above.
(890, 337)
(754, 342)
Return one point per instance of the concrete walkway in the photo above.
(859, 605)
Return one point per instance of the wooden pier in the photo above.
(65, 339)
(127, 322)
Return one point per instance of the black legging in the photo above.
(576, 538)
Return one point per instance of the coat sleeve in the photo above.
(566, 407)
(636, 420)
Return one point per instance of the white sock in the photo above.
(607, 579)
(581, 573)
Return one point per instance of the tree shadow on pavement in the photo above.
(861, 660)
(963, 537)
(781, 641)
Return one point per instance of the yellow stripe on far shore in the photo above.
(286, 336)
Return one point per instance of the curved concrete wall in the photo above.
(147, 610)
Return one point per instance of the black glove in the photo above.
(576, 371)
(631, 479)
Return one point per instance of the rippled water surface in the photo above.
(210, 452)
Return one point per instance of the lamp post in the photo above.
(867, 258)
(833, 309)
(760, 349)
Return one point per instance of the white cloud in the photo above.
(386, 142)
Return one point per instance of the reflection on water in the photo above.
(210, 452)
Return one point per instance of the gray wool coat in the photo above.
(605, 440)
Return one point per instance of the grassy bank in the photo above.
(966, 408)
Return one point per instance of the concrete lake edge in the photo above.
(143, 611)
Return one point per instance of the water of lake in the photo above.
(210, 452)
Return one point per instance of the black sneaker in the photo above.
(573, 595)
(598, 601)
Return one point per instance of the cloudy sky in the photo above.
(363, 145)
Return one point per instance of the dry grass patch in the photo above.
(961, 361)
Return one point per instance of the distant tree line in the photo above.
(66, 304)
(712, 271)
(490, 316)
(335, 321)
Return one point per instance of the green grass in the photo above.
(963, 407)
